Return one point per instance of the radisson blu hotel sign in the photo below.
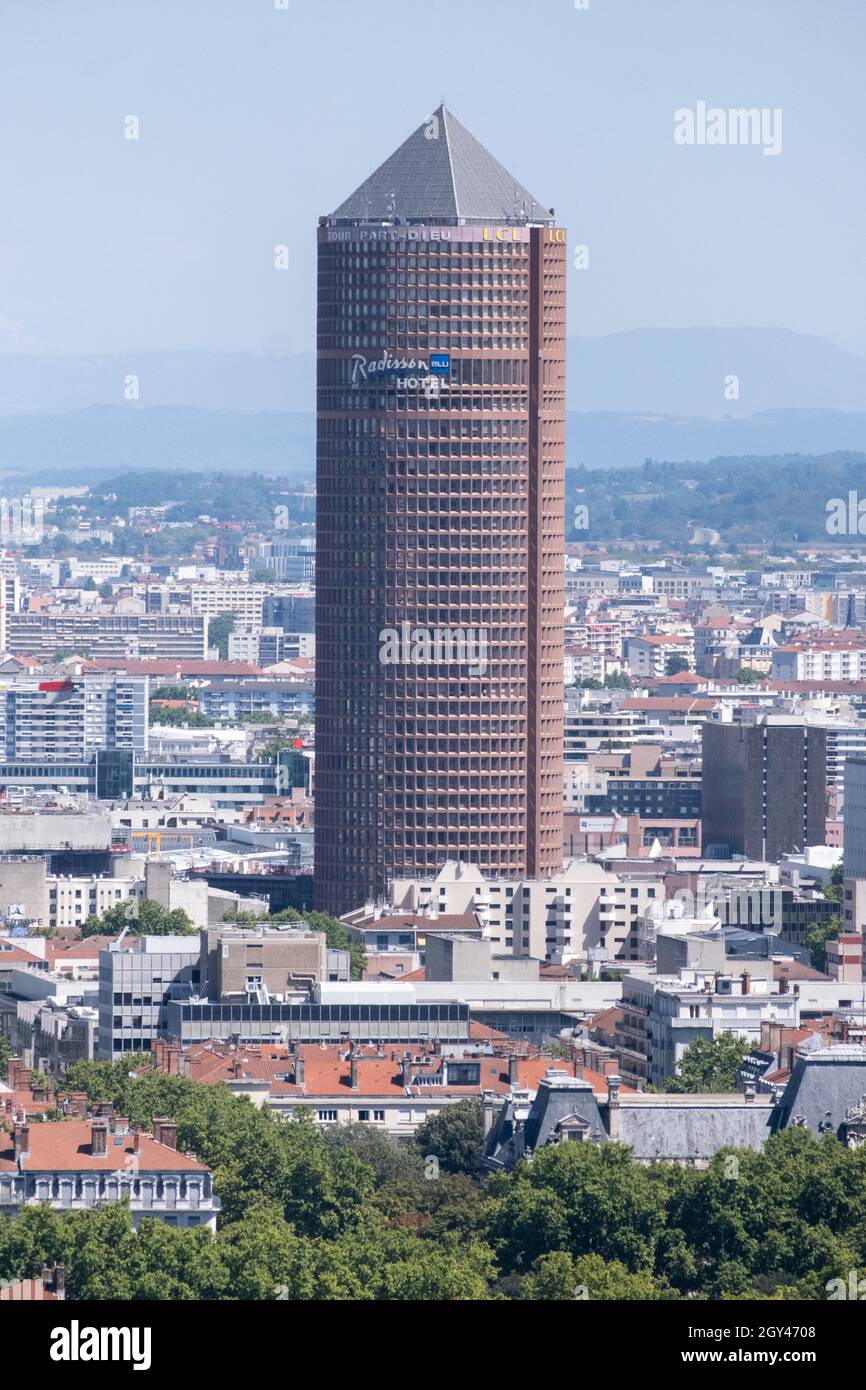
(365, 369)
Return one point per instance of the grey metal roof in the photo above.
(442, 174)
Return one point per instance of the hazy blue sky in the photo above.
(254, 120)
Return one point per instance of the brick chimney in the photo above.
(406, 1069)
(514, 1069)
(353, 1072)
(99, 1138)
(78, 1104)
(747, 982)
(21, 1141)
(168, 1133)
(54, 1280)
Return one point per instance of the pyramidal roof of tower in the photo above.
(442, 174)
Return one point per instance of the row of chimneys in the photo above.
(21, 1079)
(164, 1132)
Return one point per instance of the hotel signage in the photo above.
(407, 373)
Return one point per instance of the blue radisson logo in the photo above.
(440, 363)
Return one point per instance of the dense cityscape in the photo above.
(435, 870)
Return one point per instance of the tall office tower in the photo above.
(763, 789)
(440, 499)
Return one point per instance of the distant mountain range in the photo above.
(651, 393)
(662, 371)
(105, 439)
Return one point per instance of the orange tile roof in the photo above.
(59, 951)
(16, 955)
(327, 1071)
(65, 1146)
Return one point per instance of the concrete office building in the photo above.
(854, 852)
(137, 980)
(256, 961)
(173, 636)
(440, 521)
(763, 789)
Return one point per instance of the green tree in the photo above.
(174, 692)
(454, 1136)
(833, 889)
(557, 1276)
(617, 680)
(173, 718)
(337, 938)
(675, 664)
(817, 936)
(747, 675)
(5, 1055)
(143, 917)
(710, 1065)
(218, 632)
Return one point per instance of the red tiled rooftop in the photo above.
(327, 1071)
(65, 1146)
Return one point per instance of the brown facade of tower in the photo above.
(440, 501)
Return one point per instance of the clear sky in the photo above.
(255, 119)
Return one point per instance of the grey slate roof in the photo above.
(690, 1132)
(823, 1085)
(442, 174)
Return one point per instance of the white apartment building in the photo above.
(582, 663)
(821, 662)
(649, 655)
(599, 729)
(107, 567)
(663, 1015)
(675, 584)
(246, 601)
(559, 919)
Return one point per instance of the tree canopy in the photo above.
(143, 916)
(710, 1065)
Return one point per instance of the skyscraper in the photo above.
(763, 789)
(440, 500)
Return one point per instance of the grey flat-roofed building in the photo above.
(135, 987)
(195, 1021)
